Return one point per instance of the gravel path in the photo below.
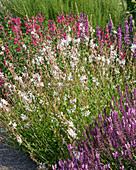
(11, 159)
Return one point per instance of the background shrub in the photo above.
(99, 9)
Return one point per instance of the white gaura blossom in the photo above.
(86, 113)
(1, 105)
(19, 139)
(14, 125)
(3, 48)
(1, 53)
(24, 117)
(72, 133)
(133, 48)
(4, 102)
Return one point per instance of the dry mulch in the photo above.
(11, 159)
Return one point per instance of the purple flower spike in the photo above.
(110, 27)
(131, 25)
(126, 37)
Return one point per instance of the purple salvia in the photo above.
(119, 34)
(54, 167)
(132, 131)
(98, 33)
(81, 158)
(86, 149)
(134, 92)
(87, 134)
(70, 151)
(100, 120)
(122, 167)
(118, 130)
(112, 107)
(128, 94)
(122, 110)
(126, 36)
(122, 98)
(128, 149)
(110, 27)
(61, 164)
(115, 102)
(126, 106)
(98, 159)
(131, 25)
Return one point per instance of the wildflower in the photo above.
(86, 113)
(14, 125)
(72, 133)
(4, 101)
(1, 53)
(10, 123)
(19, 139)
(3, 48)
(24, 117)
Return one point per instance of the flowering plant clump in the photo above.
(110, 144)
(53, 80)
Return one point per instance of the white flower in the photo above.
(27, 124)
(69, 28)
(24, 46)
(32, 32)
(86, 113)
(40, 84)
(77, 40)
(43, 49)
(3, 48)
(0, 105)
(24, 117)
(72, 133)
(133, 48)
(4, 101)
(10, 123)
(41, 166)
(71, 123)
(19, 139)
(83, 78)
(68, 38)
(92, 30)
(115, 32)
(108, 61)
(14, 125)
(103, 58)
(55, 93)
(1, 53)
(1, 74)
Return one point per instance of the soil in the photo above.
(11, 159)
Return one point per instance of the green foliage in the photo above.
(99, 9)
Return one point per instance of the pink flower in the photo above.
(18, 49)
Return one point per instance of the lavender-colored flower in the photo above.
(126, 37)
(131, 25)
(103, 145)
(119, 43)
(110, 27)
